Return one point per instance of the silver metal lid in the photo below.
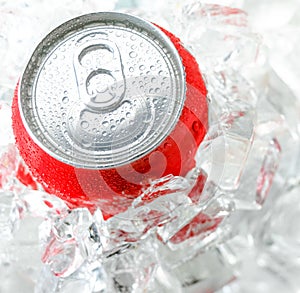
(102, 90)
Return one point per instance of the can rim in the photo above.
(80, 19)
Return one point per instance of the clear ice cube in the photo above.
(232, 220)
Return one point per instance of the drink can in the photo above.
(107, 103)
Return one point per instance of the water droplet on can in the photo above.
(167, 145)
(196, 126)
(84, 124)
(65, 100)
(133, 54)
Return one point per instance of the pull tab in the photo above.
(99, 73)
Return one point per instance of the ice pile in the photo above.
(230, 225)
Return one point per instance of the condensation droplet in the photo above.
(86, 143)
(196, 126)
(84, 124)
(142, 67)
(132, 54)
(131, 69)
(148, 119)
(167, 145)
(113, 128)
(104, 133)
(105, 123)
(65, 100)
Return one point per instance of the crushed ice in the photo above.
(231, 222)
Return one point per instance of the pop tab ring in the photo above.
(102, 90)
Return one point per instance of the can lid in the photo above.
(102, 90)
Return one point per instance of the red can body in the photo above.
(112, 190)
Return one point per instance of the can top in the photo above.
(102, 90)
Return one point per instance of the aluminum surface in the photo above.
(102, 90)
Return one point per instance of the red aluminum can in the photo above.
(107, 103)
